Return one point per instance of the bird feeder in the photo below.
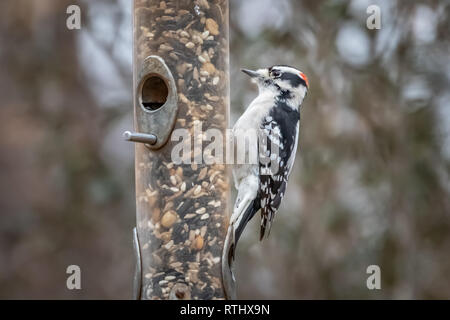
(180, 83)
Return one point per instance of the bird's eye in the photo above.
(276, 73)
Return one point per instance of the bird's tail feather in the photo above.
(248, 214)
(234, 232)
(263, 227)
(228, 279)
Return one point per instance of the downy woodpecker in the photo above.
(275, 115)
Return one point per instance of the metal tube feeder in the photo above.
(181, 82)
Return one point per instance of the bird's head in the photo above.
(284, 80)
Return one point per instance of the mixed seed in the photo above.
(182, 209)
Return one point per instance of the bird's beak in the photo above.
(251, 73)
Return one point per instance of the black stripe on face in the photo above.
(293, 79)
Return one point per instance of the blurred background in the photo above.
(370, 184)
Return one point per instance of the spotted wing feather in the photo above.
(275, 151)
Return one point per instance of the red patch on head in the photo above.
(305, 78)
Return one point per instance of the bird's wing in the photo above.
(274, 168)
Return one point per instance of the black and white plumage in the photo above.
(275, 116)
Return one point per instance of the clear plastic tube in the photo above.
(182, 210)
